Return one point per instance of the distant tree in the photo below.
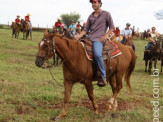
(67, 18)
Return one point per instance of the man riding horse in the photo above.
(96, 26)
(27, 20)
(17, 20)
(152, 39)
(127, 35)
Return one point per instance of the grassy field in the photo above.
(28, 93)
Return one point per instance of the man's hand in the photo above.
(77, 37)
(103, 38)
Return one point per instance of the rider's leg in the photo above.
(123, 41)
(97, 50)
(148, 46)
(133, 47)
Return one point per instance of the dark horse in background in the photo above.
(15, 29)
(78, 69)
(161, 56)
(26, 29)
(152, 56)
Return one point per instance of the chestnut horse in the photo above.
(78, 69)
(15, 30)
(129, 42)
(26, 29)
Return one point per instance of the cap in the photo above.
(128, 24)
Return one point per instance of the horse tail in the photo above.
(130, 68)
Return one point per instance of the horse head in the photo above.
(45, 49)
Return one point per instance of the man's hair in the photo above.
(98, 1)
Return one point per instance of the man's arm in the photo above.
(80, 35)
(104, 37)
(151, 39)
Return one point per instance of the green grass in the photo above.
(28, 93)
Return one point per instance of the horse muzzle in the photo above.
(39, 61)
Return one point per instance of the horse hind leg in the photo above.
(89, 89)
(113, 102)
(31, 34)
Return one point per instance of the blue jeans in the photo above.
(148, 45)
(123, 41)
(97, 50)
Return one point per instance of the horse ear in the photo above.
(45, 32)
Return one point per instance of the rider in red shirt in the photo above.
(27, 19)
(78, 25)
(17, 20)
(58, 24)
(117, 33)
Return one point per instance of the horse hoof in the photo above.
(96, 111)
(109, 108)
(57, 118)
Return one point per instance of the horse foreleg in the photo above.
(89, 89)
(23, 35)
(155, 62)
(150, 66)
(27, 34)
(57, 59)
(161, 64)
(13, 32)
(67, 93)
(18, 35)
(54, 59)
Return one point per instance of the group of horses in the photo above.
(23, 27)
(78, 69)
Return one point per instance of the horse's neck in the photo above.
(63, 48)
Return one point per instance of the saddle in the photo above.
(109, 49)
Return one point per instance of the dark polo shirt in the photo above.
(96, 27)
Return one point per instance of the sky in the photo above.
(140, 13)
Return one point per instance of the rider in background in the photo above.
(152, 38)
(17, 20)
(117, 33)
(72, 28)
(27, 20)
(58, 24)
(78, 25)
(127, 34)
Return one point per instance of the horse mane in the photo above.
(73, 45)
